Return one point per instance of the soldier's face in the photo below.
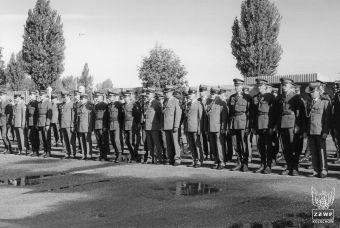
(192, 96)
(77, 97)
(99, 98)
(262, 89)
(238, 88)
(33, 97)
(150, 95)
(315, 93)
(168, 94)
(83, 100)
(286, 87)
(127, 98)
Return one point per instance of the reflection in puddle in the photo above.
(184, 188)
(28, 180)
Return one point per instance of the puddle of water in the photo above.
(29, 180)
(184, 188)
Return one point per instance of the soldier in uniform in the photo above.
(291, 124)
(85, 125)
(55, 120)
(171, 119)
(32, 115)
(336, 115)
(128, 109)
(44, 119)
(249, 135)
(160, 97)
(6, 113)
(75, 135)
(264, 120)
(192, 128)
(153, 121)
(116, 116)
(239, 122)
(318, 125)
(136, 126)
(202, 99)
(66, 122)
(274, 138)
(19, 121)
(100, 125)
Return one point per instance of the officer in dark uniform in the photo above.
(204, 140)
(100, 125)
(6, 113)
(263, 123)
(144, 103)
(85, 120)
(171, 119)
(249, 134)
(335, 140)
(66, 122)
(55, 120)
(128, 109)
(153, 121)
(116, 116)
(44, 119)
(32, 115)
(239, 123)
(136, 125)
(19, 121)
(192, 128)
(291, 125)
(226, 151)
(336, 115)
(318, 125)
(75, 135)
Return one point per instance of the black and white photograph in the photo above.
(169, 113)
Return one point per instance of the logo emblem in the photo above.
(323, 200)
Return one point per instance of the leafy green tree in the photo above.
(105, 85)
(44, 44)
(69, 83)
(2, 69)
(15, 73)
(162, 67)
(86, 79)
(254, 41)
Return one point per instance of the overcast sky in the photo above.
(119, 33)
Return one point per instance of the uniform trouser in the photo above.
(194, 146)
(19, 132)
(204, 143)
(290, 149)
(27, 145)
(4, 136)
(74, 137)
(154, 144)
(33, 136)
(67, 135)
(263, 142)
(239, 140)
(319, 155)
(86, 143)
(335, 139)
(128, 140)
(163, 144)
(172, 146)
(230, 150)
(56, 131)
(102, 140)
(44, 135)
(216, 147)
(121, 137)
(136, 136)
(336, 133)
(115, 140)
(273, 145)
(249, 138)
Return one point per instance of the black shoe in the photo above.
(323, 174)
(236, 168)
(197, 166)
(177, 163)
(215, 166)
(67, 157)
(268, 170)
(285, 172)
(260, 170)
(304, 160)
(295, 172)
(314, 174)
(244, 168)
(220, 167)
(83, 158)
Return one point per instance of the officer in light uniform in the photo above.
(66, 122)
(192, 128)
(318, 125)
(239, 118)
(204, 141)
(54, 121)
(19, 121)
(291, 125)
(6, 113)
(85, 120)
(171, 119)
(263, 124)
(116, 117)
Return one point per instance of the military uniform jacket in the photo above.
(55, 113)
(128, 115)
(116, 115)
(336, 111)
(137, 112)
(100, 116)
(45, 113)
(292, 113)
(319, 116)
(19, 112)
(193, 114)
(216, 115)
(75, 108)
(239, 112)
(32, 114)
(66, 115)
(6, 113)
(203, 124)
(85, 118)
(153, 115)
(264, 111)
(171, 114)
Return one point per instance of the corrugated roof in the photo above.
(297, 78)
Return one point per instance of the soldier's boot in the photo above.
(260, 169)
(286, 172)
(267, 170)
(244, 167)
(314, 174)
(221, 166)
(323, 173)
(118, 157)
(177, 162)
(295, 172)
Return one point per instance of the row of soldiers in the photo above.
(214, 124)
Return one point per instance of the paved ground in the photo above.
(37, 192)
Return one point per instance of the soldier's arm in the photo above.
(301, 117)
(72, 117)
(223, 117)
(9, 113)
(249, 116)
(272, 115)
(23, 116)
(49, 114)
(199, 116)
(178, 115)
(252, 113)
(326, 117)
(106, 118)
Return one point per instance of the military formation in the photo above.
(216, 126)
